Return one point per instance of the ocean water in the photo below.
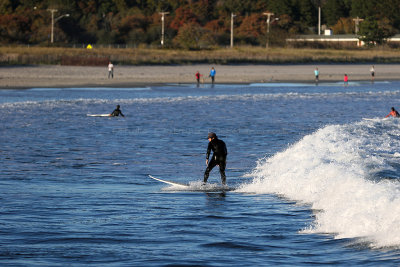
(316, 172)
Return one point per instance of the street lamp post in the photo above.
(232, 16)
(357, 23)
(319, 20)
(162, 27)
(54, 20)
(269, 15)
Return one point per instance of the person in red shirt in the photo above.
(346, 80)
(393, 113)
(198, 75)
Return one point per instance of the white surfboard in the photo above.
(376, 119)
(195, 186)
(98, 115)
(170, 182)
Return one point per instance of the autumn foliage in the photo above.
(189, 24)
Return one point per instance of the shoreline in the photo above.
(48, 76)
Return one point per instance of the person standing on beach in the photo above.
(198, 76)
(110, 70)
(212, 74)
(316, 73)
(393, 113)
(218, 158)
(372, 70)
(116, 112)
(346, 80)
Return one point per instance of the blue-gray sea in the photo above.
(316, 173)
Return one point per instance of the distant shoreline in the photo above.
(50, 76)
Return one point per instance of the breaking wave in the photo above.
(349, 174)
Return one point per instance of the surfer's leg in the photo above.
(210, 166)
(222, 166)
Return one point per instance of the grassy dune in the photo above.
(145, 56)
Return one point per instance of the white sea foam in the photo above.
(340, 170)
(91, 89)
(234, 97)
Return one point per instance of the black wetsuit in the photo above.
(117, 112)
(218, 158)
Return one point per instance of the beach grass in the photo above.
(24, 55)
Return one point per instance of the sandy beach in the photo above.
(20, 77)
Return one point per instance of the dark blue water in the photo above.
(316, 183)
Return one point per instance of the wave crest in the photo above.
(341, 171)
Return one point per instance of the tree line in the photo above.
(191, 24)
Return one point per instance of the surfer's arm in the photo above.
(225, 150)
(208, 152)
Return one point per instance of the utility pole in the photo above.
(52, 11)
(269, 15)
(319, 19)
(162, 27)
(232, 16)
(357, 22)
(54, 20)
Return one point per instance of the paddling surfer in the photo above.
(218, 158)
(116, 112)
(393, 113)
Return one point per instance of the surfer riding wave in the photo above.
(219, 157)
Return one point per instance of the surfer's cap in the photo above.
(211, 135)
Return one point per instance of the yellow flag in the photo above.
(89, 46)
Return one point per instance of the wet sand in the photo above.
(126, 76)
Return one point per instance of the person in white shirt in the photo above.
(372, 70)
(110, 70)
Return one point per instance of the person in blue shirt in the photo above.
(212, 74)
(316, 73)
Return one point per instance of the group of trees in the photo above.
(190, 23)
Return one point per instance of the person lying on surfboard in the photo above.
(393, 113)
(218, 158)
(116, 112)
